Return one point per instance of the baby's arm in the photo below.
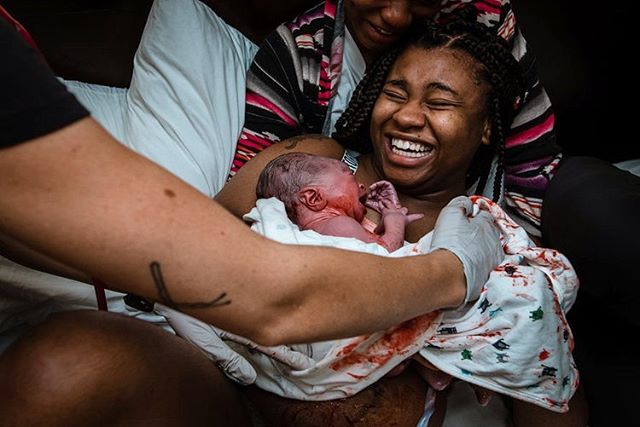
(383, 198)
(346, 226)
(390, 231)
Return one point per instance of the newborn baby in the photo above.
(321, 194)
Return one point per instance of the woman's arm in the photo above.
(239, 194)
(18, 252)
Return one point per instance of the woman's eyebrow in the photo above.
(442, 86)
(397, 82)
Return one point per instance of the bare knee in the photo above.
(69, 359)
(87, 367)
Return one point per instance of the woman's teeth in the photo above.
(383, 32)
(409, 149)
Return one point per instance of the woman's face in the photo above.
(429, 121)
(377, 24)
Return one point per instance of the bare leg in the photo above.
(94, 368)
(529, 415)
(397, 401)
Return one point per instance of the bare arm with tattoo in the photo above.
(82, 199)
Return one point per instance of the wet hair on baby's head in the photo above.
(496, 67)
(284, 176)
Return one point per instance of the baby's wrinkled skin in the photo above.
(334, 203)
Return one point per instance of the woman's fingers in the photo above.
(483, 395)
(437, 379)
(398, 369)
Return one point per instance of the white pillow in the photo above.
(185, 105)
(106, 104)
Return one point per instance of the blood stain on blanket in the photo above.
(395, 341)
(544, 354)
(554, 263)
(353, 344)
(519, 278)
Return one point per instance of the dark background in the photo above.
(584, 54)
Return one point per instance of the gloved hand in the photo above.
(208, 338)
(473, 238)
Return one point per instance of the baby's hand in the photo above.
(382, 194)
(394, 216)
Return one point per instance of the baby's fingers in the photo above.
(414, 217)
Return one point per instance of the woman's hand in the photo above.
(473, 237)
(439, 380)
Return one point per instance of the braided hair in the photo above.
(498, 68)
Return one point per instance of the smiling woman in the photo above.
(428, 117)
(430, 120)
(435, 113)
(304, 74)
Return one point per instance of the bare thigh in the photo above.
(95, 368)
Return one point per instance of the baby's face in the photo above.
(342, 191)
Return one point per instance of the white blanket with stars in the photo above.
(514, 339)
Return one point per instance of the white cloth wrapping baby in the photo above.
(514, 339)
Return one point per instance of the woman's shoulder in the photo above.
(239, 194)
(310, 143)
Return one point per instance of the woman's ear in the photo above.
(486, 133)
(312, 198)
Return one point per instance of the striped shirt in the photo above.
(295, 75)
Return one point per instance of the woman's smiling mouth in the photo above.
(381, 33)
(405, 148)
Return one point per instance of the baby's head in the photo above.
(313, 182)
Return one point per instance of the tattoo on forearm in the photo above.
(166, 299)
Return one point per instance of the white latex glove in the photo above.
(473, 238)
(208, 339)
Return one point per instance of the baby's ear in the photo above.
(312, 198)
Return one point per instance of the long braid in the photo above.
(500, 134)
(502, 72)
(497, 67)
(352, 128)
